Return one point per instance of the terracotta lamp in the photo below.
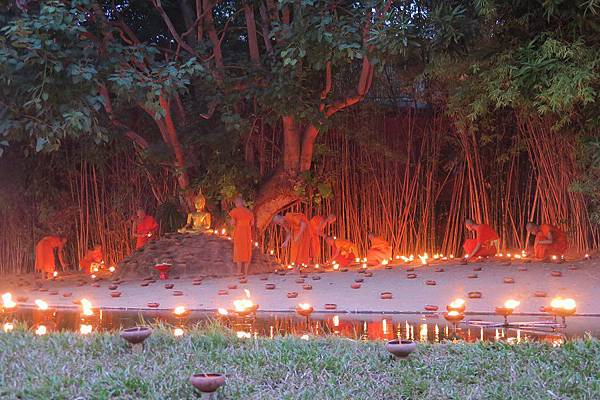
(207, 383)
(401, 348)
(136, 336)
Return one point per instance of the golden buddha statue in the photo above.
(198, 221)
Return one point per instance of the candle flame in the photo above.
(423, 259)
(85, 329)
(565, 304)
(357, 259)
(179, 310)
(86, 307)
(304, 306)
(178, 332)
(512, 304)
(223, 231)
(242, 305)
(243, 335)
(55, 274)
(223, 311)
(247, 293)
(317, 266)
(41, 330)
(8, 327)
(554, 258)
(453, 313)
(42, 305)
(8, 301)
(384, 262)
(111, 269)
(457, 303)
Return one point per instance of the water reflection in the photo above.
(367, 327)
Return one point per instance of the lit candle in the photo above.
(223, 311)
(179, 310)
(512, 304)
(112, 269)
(55, 274)
(86, 307)
(8, 301)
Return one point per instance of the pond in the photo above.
(422, 327)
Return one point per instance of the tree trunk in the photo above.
(274, 195)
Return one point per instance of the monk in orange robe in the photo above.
(44, 255)
(549, 240)
(484, 243)
(317, 225)
(380, 250)
(297, 236)
(344, 251)
(242, 220)
(92, 258)
(145, 228)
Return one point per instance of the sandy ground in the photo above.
(580, 280)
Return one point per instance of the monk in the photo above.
(297, 237)
(317, 226)
(44, 255)
(485, 241)
(549, 240)
(144, 228)
(242, 220)
(380, 250)
(93, 258)
(344, 251)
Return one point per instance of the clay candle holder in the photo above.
(454, 317)
(474, 295)
(269, 286)
(67, 294)
(401, 348)
(355, 285)
(476, 269)
(439, 269)
(508, 279)
(507, 309)
(264, 278)
(307, 287)
(169, 286)
(115, 294)
(359, 280)
(177, 293)
(243, 280)
(163, 269)
(113, 287)
(430, 307)
(232, 287)
(136, 337)
(299, 280)
(411, 276)
(145, 284)
(430, 282)
(472, 276)
(292, 295)
(330, 306)
(522, 268)
(222, 292)
(153, 305)
(540, 293)
(458, 305)
(198, 283)
(316, 278)
(386, 295)
(304, 309)
(207, 383)
(556, 274)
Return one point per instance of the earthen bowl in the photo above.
(207, 383)
(136, 335)
(401, 348)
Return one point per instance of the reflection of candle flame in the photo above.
(384, 326)
(41, 330)
(304, 337)
(336, 320)
(85, 329)
(8, 327)
(423, 332)
(178, 332)
(42, 305)
(86, 307)
(247, 293)
(8, 301)
(243, 335)
(223, 311)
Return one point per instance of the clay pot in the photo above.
(305, 312)
(222, 292)
(556, 274)
(476, 269)
(264, 278)
(115, 294)
(355, 285)
(401, 348)
(136, 335)
(93, 284)
(410, 269)
(454, 318)
(430, 282)
(540, 293)
(411, 276)
(177, 293)
(207, 383)
(23, 299)
(472, 276)
(269, 286)
(232, 287)
(439, 269)
(81, 284)
(508, 279)
(196, 283)
(145, 284)
(430, 307)
(522, 268)
(474, 295)
(292, 295)
(53, 293)
(307, 287)
(243, 280)
(359, 280)
(153, 305)
(368, 274)
(169, 286)
(113, 287)
(66, 294)
(504, 311)
(299, 280)
(303, 275)
(386, 295)
(330, 306)
(316, 278)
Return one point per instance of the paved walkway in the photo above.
(580, 280)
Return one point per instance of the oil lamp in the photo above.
(563, 308)
(85, 329)
(41, 330)
(7, 302)
(181, 312)
(207, 383)
(401, 349)
(136, 337)
(177, 332)
(457, 305)
(507, 309)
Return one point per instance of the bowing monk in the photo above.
(317, 225)
(344, 251)
(44, 255)
(297, 236)
(549, 240)
(242, 220)
(484, 243)
(92, 260)
(380, 250)
(144, 228)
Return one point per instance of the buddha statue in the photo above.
(198, 221)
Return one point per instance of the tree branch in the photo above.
(157, 4)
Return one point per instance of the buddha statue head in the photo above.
(200, 202)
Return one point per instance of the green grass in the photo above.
(102, 366)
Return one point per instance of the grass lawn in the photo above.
(102, 366)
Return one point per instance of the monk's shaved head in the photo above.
(532, 228)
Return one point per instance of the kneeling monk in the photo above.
(549, 240)
(144, 227)
(297, 236)
(344, 251)
(92, 259)
(44, 254)
(484, 243)
(380, 250)
(242, 220)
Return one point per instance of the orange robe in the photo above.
(380, 250)
(485, 235)
(315, 237)
(44, 253)
(93, 256)
(147, 226)
(299, 250)
(348, 252)
(556, 248)
(242, 234)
